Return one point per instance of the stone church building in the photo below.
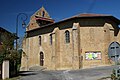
(77, 42)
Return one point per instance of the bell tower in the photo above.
(39, 19)
(42, 17)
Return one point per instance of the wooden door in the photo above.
(41, 59)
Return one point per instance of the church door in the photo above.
(41, 59)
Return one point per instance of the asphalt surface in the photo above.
(83, 74)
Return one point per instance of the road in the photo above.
(83, 74)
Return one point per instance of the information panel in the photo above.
(93, 55)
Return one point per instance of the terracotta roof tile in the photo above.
(85, 15)
(90, 15)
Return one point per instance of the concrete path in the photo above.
(83, 74)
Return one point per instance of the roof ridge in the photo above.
(92, 14)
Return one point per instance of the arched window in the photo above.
(43, 13)
(50, 39)
(40, 40)
(67, 36)
(41, 59)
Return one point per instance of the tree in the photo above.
(7, 52)
(7, 45)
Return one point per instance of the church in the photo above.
(78, 42)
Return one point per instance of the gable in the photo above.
(42, 13)
(39, 18)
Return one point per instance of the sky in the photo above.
(57, 9)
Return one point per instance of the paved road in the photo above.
(83, 74)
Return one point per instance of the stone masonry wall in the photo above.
(85, 36)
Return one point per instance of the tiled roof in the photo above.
(43, 18)
(85, 15)
(2, 29)
(90, 15)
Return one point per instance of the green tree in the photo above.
(7, 52)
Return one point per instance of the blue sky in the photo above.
(58, 9)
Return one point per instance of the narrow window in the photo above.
(43, 13)
(67, 36)
(40, 40)
(50, 39)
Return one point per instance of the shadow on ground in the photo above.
(27, 73)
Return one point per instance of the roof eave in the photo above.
(76, 17)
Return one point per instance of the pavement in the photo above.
(82, 74)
